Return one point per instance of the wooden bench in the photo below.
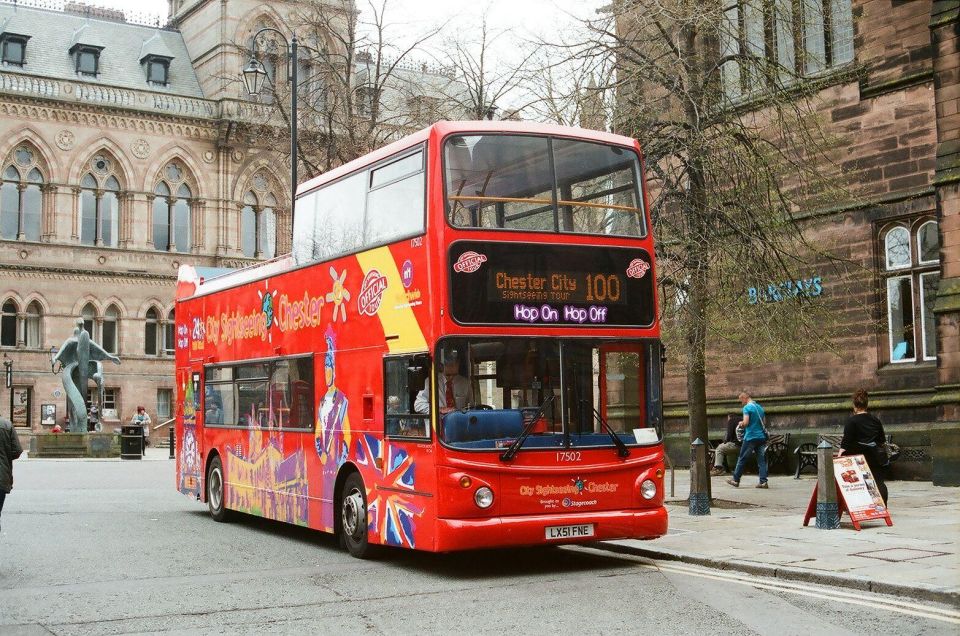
(776, 450)
(807, 453)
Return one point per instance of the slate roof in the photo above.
(53, 33)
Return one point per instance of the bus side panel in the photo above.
(188, 470)
(347, 313)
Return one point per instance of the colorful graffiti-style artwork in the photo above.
(189, 454)
(391, 513)
(332, 438)
(262, 481)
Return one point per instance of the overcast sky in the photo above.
(527, 18)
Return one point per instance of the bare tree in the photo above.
(357, 89)
(480, 81)
(729, 171)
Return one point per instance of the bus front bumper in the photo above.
(502, 532)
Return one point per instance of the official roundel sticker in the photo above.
(371, 292)
(469, 262)
(637, 268)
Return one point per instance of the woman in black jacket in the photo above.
(863, 435)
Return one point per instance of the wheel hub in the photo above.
(216, 489)
(353, 513)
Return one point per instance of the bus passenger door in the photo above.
(399, 472)
(621, 383)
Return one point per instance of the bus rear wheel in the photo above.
(216, 490)
(353, 517)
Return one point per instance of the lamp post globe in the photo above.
(254, 76)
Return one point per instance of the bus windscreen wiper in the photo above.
(517, 443)
(622, 449)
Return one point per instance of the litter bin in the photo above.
(131, 442)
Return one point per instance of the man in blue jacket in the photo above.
(10, 449)
(754, 440)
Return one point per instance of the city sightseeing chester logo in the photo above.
(469, 262)
(637, 268)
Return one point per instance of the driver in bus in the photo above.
(454, 389)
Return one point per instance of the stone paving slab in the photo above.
(761, 531)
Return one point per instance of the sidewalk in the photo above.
(761, 532)
(153, 454)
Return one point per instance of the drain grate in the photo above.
(895, 555)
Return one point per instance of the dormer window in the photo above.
(14, 49)
(158, 69)
(86, 59)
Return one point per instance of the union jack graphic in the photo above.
(390, 513)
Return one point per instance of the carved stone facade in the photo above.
(108, 188)
(896, 102)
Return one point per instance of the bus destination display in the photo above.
(509, 283)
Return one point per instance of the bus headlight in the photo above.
(483, 497)
(648, 489)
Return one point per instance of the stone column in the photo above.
(75, 214)
(48, 212)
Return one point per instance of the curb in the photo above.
(922, 592)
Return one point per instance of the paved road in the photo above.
(109, 547)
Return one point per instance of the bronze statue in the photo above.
(78, 356)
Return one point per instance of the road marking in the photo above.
(853, 598)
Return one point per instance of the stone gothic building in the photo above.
(122, 158)
(889, 73)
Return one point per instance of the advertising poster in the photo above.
(21, 406)
(859, 491)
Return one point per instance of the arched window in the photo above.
(168, 334)
(89, 315)
(258, 220)
(31, 326)
(18, 329)
(21, 197)
(100, 203)
(161, 217)
(911, 276)
(8, 324)
(111, 321)
(151, 332)
(172, 210)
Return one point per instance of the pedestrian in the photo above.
(10, 450)
(863, 435)
(143, 420)
(754, 440)
(730, 445)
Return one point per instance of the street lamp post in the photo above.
(254, 76)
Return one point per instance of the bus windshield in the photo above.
(542, 184)
(580, 391)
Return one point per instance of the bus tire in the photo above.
(353, 517)
(216, 490)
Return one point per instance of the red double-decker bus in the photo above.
(461, 351)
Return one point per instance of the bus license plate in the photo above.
(569, 532)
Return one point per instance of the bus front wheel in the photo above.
(353, 517)
(216, 500)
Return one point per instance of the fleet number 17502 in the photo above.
(568, 456)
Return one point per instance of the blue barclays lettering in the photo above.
(776, 292)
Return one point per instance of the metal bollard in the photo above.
(828, 512)
(699, 494)
(171, 443)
